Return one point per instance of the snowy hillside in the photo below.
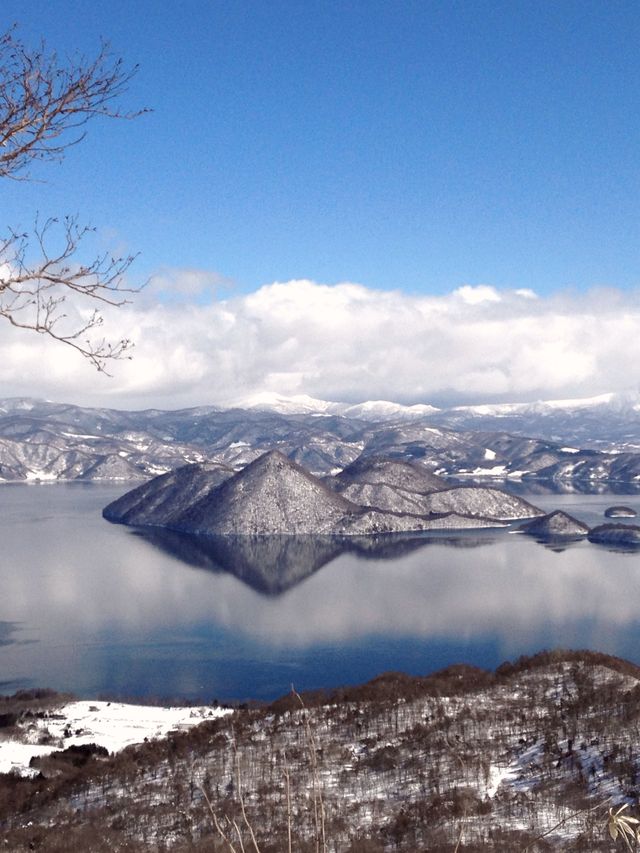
(487, 761)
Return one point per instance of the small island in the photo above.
(620, 512)
(554, 526)
(621, 535)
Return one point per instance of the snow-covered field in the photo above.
(112, 725)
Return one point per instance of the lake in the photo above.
(99, 609)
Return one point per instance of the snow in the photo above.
(491, 409)
(489, 455)
(41, 475)
(499, 774)
(269, 400)
(113, 725)
(81, 435)
(303, 404)
(581, 403)
(569, 450)
(385, 409)
(502, 409)
(496, 471)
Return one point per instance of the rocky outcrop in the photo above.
(384, 497)
(556, 525)
(393, 473)
(372, 521)
(404, 487)
(386, 484)
(619, 535)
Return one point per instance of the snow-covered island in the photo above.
(273, 495)
(556, 525)
(616, 535)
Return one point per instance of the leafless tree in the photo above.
(45, 105)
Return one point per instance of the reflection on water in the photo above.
(7, 633)
(273, 564)
(94, 607)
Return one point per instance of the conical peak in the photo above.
(273, 461)
(271, 457)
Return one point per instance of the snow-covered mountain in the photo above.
(583, 442)
(603, 422)
(301, 404)
(268, 401)
(607, 421)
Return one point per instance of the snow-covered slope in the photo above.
(529, 757)
(112, 725)
(272, 495)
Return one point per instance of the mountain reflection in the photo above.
(7, 630)
(94, 608)
(273, 564)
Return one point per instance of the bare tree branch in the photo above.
(33, 295)
(44, 107)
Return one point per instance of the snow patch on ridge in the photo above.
(113, 725)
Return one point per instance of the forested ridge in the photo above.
(490, 761)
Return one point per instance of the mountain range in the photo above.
(581, 444)
(602, 422)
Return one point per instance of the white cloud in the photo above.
(344, 342)
(182, 285)
(480, 293)
(526, 293)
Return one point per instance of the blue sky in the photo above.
(413, 147)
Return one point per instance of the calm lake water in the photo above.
(97, 609)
